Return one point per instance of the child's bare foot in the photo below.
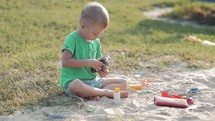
(96, 98)
(124, 94)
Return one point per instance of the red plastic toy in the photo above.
(172, 102)
(165, 94)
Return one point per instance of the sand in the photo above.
(139, 105)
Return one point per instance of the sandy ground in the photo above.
(139, 105)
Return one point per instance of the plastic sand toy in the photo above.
(171, 102)
(135, 86)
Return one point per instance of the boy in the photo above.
(80, 53)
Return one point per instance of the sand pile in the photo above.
(139, 105)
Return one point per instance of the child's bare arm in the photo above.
(68, 61)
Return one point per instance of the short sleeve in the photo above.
(69, 43)
(99, 50)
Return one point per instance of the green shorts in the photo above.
(97, 83)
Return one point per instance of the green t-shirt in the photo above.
(81, 50)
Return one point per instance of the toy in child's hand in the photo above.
(105, 60)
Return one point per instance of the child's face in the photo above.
(92, 32)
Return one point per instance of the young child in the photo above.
(80, 53)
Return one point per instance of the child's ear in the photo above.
(82, 25)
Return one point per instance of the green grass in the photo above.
(32, 34)
(200, 12)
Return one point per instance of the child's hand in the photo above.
(103, 73)
(96, 64)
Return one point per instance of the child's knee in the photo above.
(75, 85)
(124, 83)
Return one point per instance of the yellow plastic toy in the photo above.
(135, 86)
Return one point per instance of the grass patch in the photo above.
(32, 35)
(199, 12)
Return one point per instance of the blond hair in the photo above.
(94, 13)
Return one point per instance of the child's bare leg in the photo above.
(112, 83)
(80, 89)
